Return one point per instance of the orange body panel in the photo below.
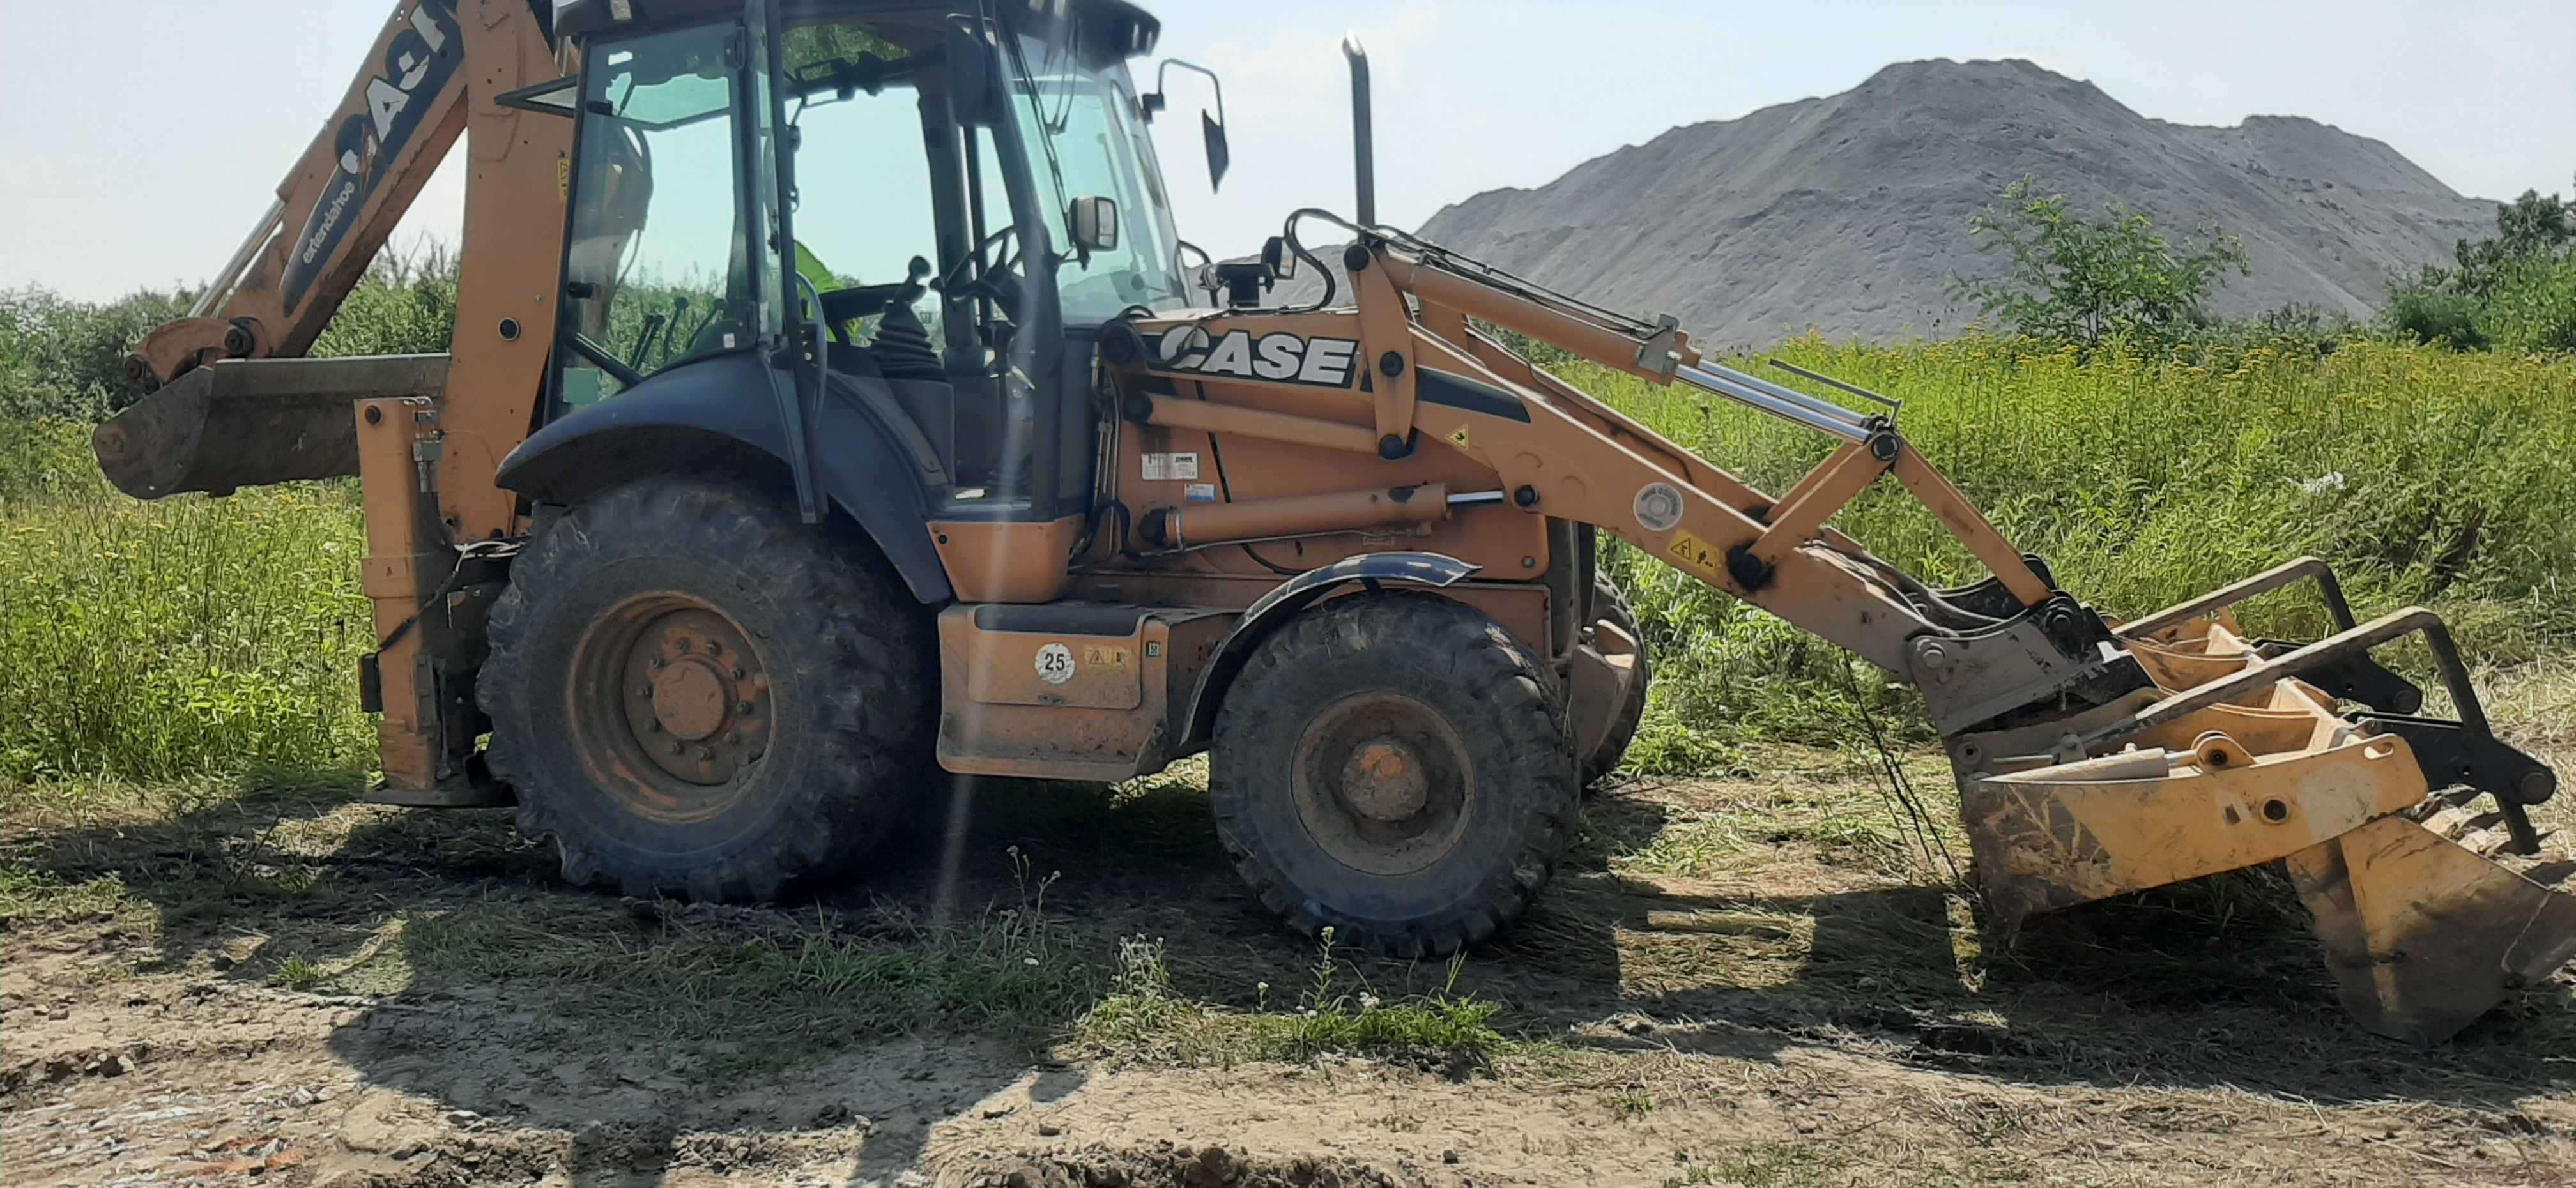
(1064, 705)
(1006, 561)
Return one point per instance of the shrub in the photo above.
(2088, 280)
(2515, 290)
(65, 358)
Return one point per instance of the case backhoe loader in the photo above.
(829, 408)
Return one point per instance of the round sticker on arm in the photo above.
(1658, 507)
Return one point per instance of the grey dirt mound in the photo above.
(1849, 214)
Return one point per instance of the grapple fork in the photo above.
(2237, 755)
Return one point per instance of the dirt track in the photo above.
(1738, 982)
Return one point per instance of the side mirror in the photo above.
(970, 71)
(1212, 127)
(1095, 224)
(1276, 257)
(1218, 157)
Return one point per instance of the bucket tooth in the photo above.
(2421, 933)
(2480, 832)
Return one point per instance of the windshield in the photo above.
(1080, 125)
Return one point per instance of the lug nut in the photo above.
(737, 672)
(653, 726)
(678, 748)
(714, 646)
(742, 707)
(706, 753)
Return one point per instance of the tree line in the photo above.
(2069, 277)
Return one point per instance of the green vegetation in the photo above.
(1142, 1015)
(2086, 280)
(2147, 451)
(188, 637)
(62, 358)
(2515, 291)
(2425, 475)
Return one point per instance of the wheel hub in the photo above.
(670, 704)
(690, 699)
(1383, 783)
(696, 699)
(1384, 779)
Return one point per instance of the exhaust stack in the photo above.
(1363, 141)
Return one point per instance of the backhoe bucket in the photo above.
(2423, 935)
(248, 422)
(2238, 756)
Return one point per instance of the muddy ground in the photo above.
(1756, 981)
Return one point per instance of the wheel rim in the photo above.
(1383, 783)
(670, 707)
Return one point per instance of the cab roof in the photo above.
(1110, 29)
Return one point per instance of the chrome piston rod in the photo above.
(1823, 416)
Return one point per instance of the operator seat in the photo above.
(901, 358)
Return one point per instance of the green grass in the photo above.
(177, 639)
(36, 895)
(1768, 1165)
(1143, 1017)
(199, 637)
(2426, 476)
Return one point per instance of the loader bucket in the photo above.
(2240, 755)
(248, 422)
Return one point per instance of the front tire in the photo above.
(1391, 766)
(694, 693)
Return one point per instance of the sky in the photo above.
(143, 136)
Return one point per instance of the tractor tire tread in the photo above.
(1521, 722)
(862, 658)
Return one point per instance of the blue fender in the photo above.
(718, 415)
(1373, 570)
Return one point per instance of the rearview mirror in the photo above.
(1276, 257)
(970, 71)
(1212, 127)
(1095, 224)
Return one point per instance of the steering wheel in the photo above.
(1005, 296)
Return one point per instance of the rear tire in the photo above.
(695, 693)
(1392, 766)
(1610, 604)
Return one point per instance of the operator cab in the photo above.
(899, 182)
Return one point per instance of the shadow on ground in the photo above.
(993, 923)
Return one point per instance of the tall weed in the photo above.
(2426, 476)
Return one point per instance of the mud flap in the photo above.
(2424, 935)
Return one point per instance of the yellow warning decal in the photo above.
(1694, 553)
(1459, 439)
(1107, 655)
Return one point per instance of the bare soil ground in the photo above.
(1741, 981)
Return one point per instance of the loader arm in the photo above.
(2092, 759)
